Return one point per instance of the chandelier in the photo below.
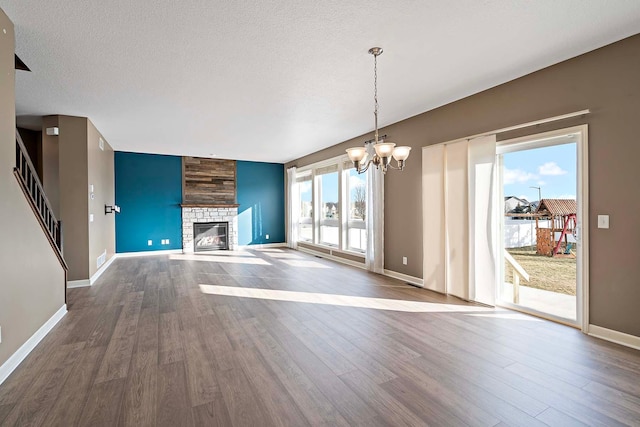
(363, 157)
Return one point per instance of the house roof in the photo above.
(557, 206)
(516, 198)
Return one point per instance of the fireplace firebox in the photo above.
(210, 236)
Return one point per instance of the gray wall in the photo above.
(32, 281)
(50, 164)
(102, 230)
(82, 163)
(607, 82)
(74, 206)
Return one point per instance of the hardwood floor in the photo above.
(227, 339)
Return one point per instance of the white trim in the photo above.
(90, 281)
(404, 277)
(582, 177)
(333, 249)
(533, 123)
(614, 336)
(583, 226)
(78, 283)
(327, 162)
(262, 246)
(16, 358)
(332, 257)
(147, 253)
(101, 270)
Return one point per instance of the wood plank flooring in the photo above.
(207, 340)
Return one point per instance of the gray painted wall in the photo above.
(32, 281)
(606, 82)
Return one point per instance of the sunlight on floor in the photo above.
(340, 300)
(506, 315)
(282, 255)
(223, 259)
(304, 263)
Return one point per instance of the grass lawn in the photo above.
(556, 274)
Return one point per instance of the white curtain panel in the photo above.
(482, 219)
(459, 218)
(456, 223)
(375, 221)
(433, 230)
(293, 211)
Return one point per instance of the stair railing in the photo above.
(26, 174)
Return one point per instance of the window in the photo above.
(305, 223)
(357, 196)
(333, 205)
(328, 187)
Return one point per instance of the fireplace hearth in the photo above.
(210, 236)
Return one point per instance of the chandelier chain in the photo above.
(375, 93)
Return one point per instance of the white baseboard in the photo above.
(101, 270)
(16, 358)
(262, 246)
(78, 283)
(405, 278)
(614, 336)
(332, 257)
(89, 282)
(147, 253)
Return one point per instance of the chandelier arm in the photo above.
(363, 170)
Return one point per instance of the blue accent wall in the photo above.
(149, 191)
(261, 198)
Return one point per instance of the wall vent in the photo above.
(102, 259)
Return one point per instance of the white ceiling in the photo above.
(273, 80)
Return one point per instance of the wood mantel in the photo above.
(208, 182)
(209, 205)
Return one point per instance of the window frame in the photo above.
(342, 166)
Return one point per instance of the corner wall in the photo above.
(74, 209)
(261, 199)
(32, 284)
(102, 231)
(604, 81)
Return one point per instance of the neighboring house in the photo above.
(513, 204)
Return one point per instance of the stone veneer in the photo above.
(191, 215)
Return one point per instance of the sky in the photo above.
(553, 169)
(330, 186)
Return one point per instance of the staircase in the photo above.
(31, 186)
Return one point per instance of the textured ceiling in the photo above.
(274, 80)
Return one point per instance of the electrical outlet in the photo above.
(404, 260)
(149, 242)
(167, 242)
(267, 236)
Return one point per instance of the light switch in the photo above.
(603, 221)
(90, 217)
(149, 242)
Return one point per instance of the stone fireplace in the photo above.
(209, 196)
(208, 214)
